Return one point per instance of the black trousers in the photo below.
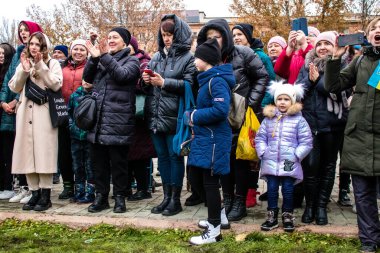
(196, 182)
(365, 192)
(110, 160)
(238, 179)
(211, 187)
(65, 161)
(140, 170)
(7, 139)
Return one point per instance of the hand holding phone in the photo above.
(300, 24)
(149, 72)
(351, 39)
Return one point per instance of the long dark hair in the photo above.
(9, 51)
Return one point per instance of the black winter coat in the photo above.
(114, 78)
(161, 104)
(249, 71)
(315, 109)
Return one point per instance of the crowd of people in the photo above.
(316, 102)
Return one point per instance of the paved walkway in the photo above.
(342, 219)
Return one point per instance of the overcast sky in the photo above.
(15, 9)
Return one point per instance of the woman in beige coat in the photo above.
(36, 145)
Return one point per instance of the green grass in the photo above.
(32, 236)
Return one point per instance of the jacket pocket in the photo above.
(349, 129)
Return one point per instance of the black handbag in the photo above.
(85, 112)
(35, 93)
(57, 108)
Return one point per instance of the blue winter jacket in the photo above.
(210, 148)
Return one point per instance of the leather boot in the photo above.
(228, 200)
(119, 204)
(238, 210)
(44, 202)
(174, 205)
(167, 195)
(33, 200)
(100, 203)
(326, 185)
(288, 221)
(311, 191)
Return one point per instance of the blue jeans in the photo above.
(82, 163)
(287, 189)
(171, 166)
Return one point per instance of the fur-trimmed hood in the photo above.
(270, 110)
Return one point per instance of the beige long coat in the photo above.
(36, 144)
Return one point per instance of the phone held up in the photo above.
(300, 24)
(351, 39)
(149, 72)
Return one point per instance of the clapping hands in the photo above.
(313, 72)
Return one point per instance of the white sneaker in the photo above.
(210, 235)
(22, 193)
(26, 198)
(224, 224)
(7, 194)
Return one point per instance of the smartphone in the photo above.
(300, 24)
(351, 39)
(149, 72)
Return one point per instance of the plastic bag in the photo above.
(245, 149)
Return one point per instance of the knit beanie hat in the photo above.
(77, 42)
(327, 36)
(247, 29)
(293, 91)
(209, 52)
(63, 49)
(279, 40)
(124, 34)
(313, 31)
(134, 44)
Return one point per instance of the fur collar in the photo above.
(270, 110)
(311, 56)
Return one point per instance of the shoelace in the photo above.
(270, 216)
(205, 234)
(288, 217)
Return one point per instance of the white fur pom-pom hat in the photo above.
(295, 92)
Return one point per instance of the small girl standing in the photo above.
(211, 145)
(283, 140)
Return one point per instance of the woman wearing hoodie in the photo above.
(173, 64)
(9, 100)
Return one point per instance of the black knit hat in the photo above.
(247, 29)
(124, 34)
(209, 52)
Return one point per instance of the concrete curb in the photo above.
(75, 221)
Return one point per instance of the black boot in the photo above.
(238, 210)
(288, 221)
(264, 196)
(119, 204)
(140, 195)
(174, 205)
(228, 201)
(33, 201)
(194, 199)
(68, 191)
(272, 220)
(44, 202)
(167, 194)
(308, 215)
(100, 203)
(326, 185)
(311, 191)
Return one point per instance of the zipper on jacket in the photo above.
(213, 151)
(279, 146)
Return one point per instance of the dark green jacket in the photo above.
(361, 148)
(76, 132)
(8, 121)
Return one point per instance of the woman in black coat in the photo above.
(114, 75)
(173, 64)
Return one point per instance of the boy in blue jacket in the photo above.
(211, 144)
(80, 151)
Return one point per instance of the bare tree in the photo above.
(331, 14)
(366, 9)
(8, 31)
(75, 18)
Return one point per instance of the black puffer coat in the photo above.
(249, 70)
(161, 104)
(315, 103)
(114, 78)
